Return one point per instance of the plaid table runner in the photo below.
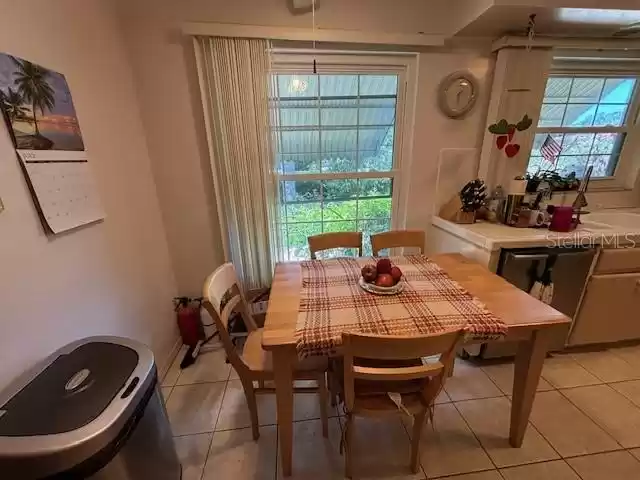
(331, 302)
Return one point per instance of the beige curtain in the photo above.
(234, 82)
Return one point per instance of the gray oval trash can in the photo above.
(92, 409)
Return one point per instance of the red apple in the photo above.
(396, 274)
(384, 265)
(384, 280)
(369, 273)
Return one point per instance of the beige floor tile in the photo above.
(381, 450)
(568, 430)
(173, 373)
(635, 452)
(606, 466)
(502, 376)
(631, 355)
(442, 398)
(194, 408)
(607, 366)
(166, 391)
(316, 457)
(489, 475)
(470, 382)
(631, 390)
(489, 420)
(234, 455)
(564, 372)
(209, 367)
(557, 470)
(450, 447)
(609, 409)
(235, 413)
(192, 452)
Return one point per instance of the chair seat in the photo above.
(372, 397)
(260, 360)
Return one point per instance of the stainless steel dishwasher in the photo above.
(521, 267)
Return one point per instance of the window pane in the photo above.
(299, 163)
(586, 90)
(378, 85)
(339, 189)
(579, 115)
(339, 141)
(551, 115)
(297, 86)
(369, 227)
(338, 85)
(297, 234)
(603, 165)
(291, 117)
(607, 142)
(567, 164)
(336, 163)
(374, 187)
(345, 210)
(299, 141)
(613, 115)
(557, 90)
(340, 116)
(618, 90)
(381, 158)
(577, 143)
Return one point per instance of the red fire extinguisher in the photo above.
(189, 321)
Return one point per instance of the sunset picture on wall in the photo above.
(37, 105)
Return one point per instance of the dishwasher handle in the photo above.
(529, 256)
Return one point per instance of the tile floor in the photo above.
(585, 425)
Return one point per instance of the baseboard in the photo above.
(166, 364)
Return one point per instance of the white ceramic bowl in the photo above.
(372, 288)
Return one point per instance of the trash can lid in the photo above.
(70, 392)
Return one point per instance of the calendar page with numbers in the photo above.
(64, 187)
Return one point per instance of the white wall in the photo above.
(163, 63)
(110, 278)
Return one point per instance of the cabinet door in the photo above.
(610, 311)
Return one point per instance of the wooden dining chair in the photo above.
(397, 238)
(327, 241)
(379, 367)
(221, 297)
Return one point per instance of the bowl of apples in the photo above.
(383, 278)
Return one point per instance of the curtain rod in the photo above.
(307, 34)
(305, 51)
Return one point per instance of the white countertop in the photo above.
(494, 236)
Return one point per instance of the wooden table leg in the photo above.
(283, 358)
(528, 366)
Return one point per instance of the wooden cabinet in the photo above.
(610, 311)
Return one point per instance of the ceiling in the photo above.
(552, 18)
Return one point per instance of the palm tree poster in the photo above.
(38, 107)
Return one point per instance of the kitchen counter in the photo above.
(494, 236)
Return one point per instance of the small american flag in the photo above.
(550, 149)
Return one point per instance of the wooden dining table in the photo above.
(530, 322)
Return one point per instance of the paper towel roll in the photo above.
(517, 187)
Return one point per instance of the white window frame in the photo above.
(405, 66)
(620, 180)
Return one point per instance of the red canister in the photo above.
(562, 219)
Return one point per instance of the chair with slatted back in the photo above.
(328, 241)
(397, 238)
(379, 367)
(222, 296)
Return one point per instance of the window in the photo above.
(336, 137)
(588, 117)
